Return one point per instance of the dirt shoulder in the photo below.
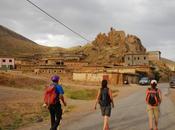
(18, 107)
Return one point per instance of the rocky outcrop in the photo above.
(111, 47)
(129, 43)
(134, 44)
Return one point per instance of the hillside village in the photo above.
(115, 56)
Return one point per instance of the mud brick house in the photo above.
(59, 64)
(75, 64)
(136, 59)
(7, 63)
(49, 69)
(52, 61)
(115, 75)
(113, 78)
(26, 64)
(154, 55)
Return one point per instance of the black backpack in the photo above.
(153, 97)
(104, 99)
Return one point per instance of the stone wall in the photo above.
(113, 78)
(88, 77)
(75, 64)
(51, 71)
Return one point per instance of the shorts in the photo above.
(153, 112)
(106, 110)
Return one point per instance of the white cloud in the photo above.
(56, 41)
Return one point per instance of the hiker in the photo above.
(153, 100)
(105, 100)
(52, 97)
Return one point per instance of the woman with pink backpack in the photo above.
(153, 101)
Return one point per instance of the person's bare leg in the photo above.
(150, 117)
(156, 118)
(106, 123)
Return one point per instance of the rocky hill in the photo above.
(13, 44)
(111, 47)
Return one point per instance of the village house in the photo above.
(52, 61)
(7, 63)
(115, 75)
(154, 55)
(49, 69)
(25, 64)
(56, 63)
(136, 59)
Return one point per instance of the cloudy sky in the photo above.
(153, 21)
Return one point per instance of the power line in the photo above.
(58, 20)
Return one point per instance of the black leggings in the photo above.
(55, 115)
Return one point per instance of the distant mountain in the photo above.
(13, 44)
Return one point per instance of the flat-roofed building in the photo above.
(136, 59)
(154, 55)
(7, 63)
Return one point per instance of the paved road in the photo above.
(129, 114)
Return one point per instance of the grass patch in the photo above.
(80, 94)
(84, 94)
(17, 81)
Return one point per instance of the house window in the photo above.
(46, 61)
(58, 63)
(138, 58)
(134, 58)
(128, 58)
(122, 59)
(10, 60)
(3, 60)
(144, 58)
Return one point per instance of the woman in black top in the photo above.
(105, 99)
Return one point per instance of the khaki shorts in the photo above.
(153, 112)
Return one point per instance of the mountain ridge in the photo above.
(14, 45)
